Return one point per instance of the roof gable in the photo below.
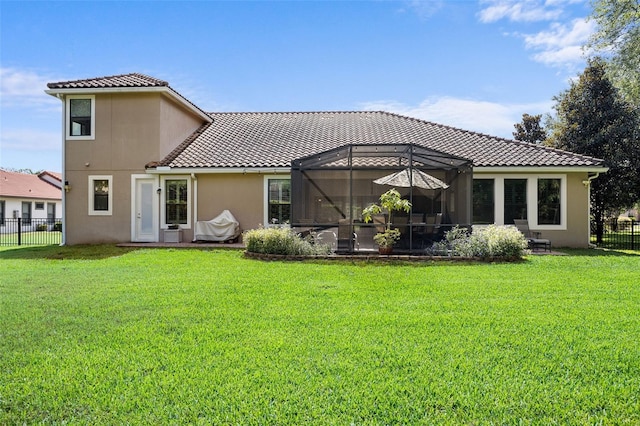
(274, 139)
(134, 82)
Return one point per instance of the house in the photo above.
(35, 199)
(139, 157)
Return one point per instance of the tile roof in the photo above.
(122, 81)
(274, 139)
(116, 81)
(23, 185)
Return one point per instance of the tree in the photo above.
(593, 119)
(619, 34)
(530, 130)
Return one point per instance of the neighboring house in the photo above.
(139, 157)
(30, 197)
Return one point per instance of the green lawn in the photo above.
(103, 335)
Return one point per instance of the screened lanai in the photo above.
(329, 190)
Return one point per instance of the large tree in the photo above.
(618, 33)
(530, 130)
(593, 119)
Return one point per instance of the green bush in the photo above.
(41, 227)
(493, 241)
(281, 241)
(57, 226)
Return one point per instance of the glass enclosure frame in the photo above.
(330, 189)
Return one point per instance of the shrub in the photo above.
(492, 241)
(41, 227)
(281, 241)
(57, 226)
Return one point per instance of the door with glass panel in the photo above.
(145, 228)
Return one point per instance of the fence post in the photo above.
(19, 231)
(633, 223)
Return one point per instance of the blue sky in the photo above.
(478, 65)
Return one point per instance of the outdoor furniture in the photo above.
(533, 237)
(222, 228)
(345, 234)
(327, 237)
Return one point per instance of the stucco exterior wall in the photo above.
(128, 133)
(175, 126)
(241, 194)
(575, 232)
(15, 204)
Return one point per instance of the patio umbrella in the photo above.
(419, 179)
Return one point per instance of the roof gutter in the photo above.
(541, 169)
(218, 170)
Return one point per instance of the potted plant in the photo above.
(390, 201)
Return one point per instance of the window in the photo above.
(80, 117)
(39, 206)
(176, 201)
(279, 201)
(515, 200)
(483, 201)
(51, 213)
(26, 212)
(549, 201)
(100, 195)
(2, 213)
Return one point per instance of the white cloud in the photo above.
(561, 44)
(520, 11)
(480, 116)
(24, 88)
(424, 9)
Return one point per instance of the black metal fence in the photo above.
(619, 233)
(30, 232)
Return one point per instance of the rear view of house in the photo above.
(140, 158)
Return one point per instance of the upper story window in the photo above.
(81, 117)
(100, 195)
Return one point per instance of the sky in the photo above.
(472, 64)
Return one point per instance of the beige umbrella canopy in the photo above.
(412, 177)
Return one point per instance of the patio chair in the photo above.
(533, 237)
(344, 235)
(327, 237)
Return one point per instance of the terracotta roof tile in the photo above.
(22, 185)
(263, 139)
(116, 81)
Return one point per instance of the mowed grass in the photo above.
(103, 335)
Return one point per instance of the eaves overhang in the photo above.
(106, 90)
(540, 169)
(163, 170)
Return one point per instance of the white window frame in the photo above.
(163, 202)
(92, 211)
(67, 124)
(532, 198)
(265, 216)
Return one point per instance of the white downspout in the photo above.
(63, 240)
(195, 204)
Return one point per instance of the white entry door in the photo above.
(145, 212)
